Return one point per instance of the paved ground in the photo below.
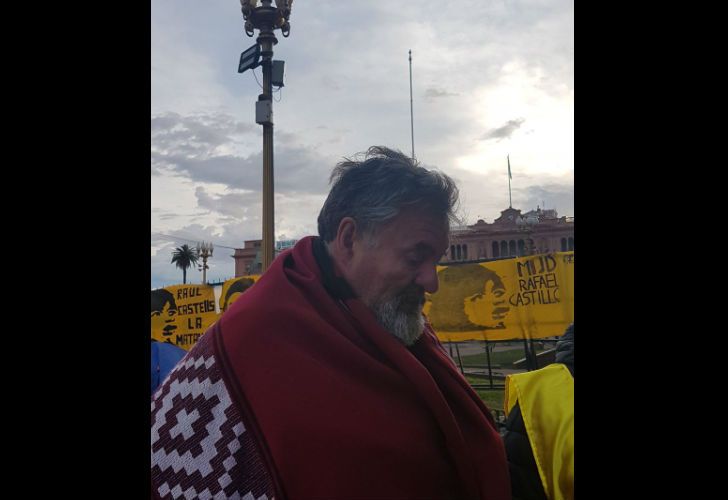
(477, 347)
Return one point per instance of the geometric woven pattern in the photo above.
(200, 449)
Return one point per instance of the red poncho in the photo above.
(325, 403)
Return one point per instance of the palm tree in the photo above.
(184, 257)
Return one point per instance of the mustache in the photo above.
(412, 295)
(167, 330)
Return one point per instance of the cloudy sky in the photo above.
(490, 78)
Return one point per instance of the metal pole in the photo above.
(510, 201)
(490, 369)
(460, 361)
(267, 39)
(527, 354)
(412, 119)
(266, 18)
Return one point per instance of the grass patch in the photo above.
(493, 398)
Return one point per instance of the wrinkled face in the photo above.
(489, 307)
(392, 271)
(164, 321)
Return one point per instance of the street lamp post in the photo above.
(266, 19)
(526, 225)
(204, 250)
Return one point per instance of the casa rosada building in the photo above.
(511, 235)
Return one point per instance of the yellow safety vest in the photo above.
(546, 399)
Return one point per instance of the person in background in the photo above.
(539, 435)
(164, 357)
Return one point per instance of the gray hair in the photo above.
(374, 190)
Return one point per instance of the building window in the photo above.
(544, 248)
(512, 247)
(458, 250)
(465, 252)
(571, 243)
(563, 244)
(452, 252)
(521, 248)
(504, 248)
(496, 253)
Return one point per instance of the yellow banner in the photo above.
(182, 313)
(232, 289)
(525, 297)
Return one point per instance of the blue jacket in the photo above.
(164, 357)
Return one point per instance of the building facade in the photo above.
(512, 234)
(248, 259)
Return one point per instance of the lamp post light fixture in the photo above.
(527, 225)
(266, 19)
(204, 250)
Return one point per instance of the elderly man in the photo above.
(323, 380)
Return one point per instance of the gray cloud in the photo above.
(554, 195)
(433, 93)
(329, 83)
(196, 135)
(296, 169)
(197, 146)
(235, 205)
(163, 272)
(505, 130)
(484, 195)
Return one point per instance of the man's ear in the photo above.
(346, 234)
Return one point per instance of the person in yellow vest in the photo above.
(539, 435)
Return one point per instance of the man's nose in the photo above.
(427, 278)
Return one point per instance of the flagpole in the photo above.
(412, 120)
(510, 201)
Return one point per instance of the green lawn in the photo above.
(493, 398)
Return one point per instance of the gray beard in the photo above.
(405, 325)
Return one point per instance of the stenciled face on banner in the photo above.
(503, 299)
(164, 315)
(234, 288)
(488, 307)
(471, 297)
(182, 313)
